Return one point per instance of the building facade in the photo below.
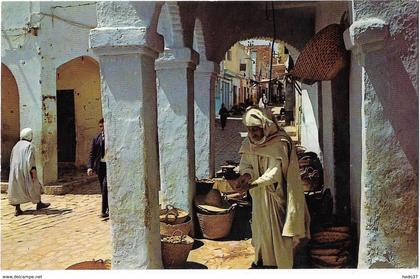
(234, 82)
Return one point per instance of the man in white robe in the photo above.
(269, 170)
(23, 181)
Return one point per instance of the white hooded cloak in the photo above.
(21, 188)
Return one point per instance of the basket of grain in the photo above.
(175, 249)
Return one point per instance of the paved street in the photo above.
(228, 141)
(71, 231)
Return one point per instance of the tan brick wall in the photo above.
(263, 61)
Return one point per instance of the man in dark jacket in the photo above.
(97, 164)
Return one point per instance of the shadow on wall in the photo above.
(398, 97)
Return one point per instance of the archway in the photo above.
(78, 110)
(10, 125)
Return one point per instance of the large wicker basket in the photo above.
(215, 226)
(175, 249)
(169, 229)
(99, 264)
(323, 56)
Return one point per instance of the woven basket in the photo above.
(327, 237)
(330, 261)
(175, 253)
(343, 229)
(99, 264)
(169, 229)
(323, 56)
(343, 245)
(216, 226)
(173, 215)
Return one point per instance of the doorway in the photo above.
(66, 131)
(10, 118)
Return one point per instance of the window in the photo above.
(242, 67)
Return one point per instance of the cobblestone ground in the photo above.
(228, 141)
(68, 232)
(71, 231)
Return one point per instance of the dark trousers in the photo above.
(223, 121)
(104, 186)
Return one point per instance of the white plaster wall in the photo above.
(389, 198)
(127, 14)
(128, 45)
(133, 178)
(176, 127)
(313, 97)
(70, 23)
(63, 34)
(204, 121)
(309, 128)
(19, 54)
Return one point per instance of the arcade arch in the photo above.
(78, 109)
(10, 118)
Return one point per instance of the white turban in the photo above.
(255, 117)
(26, 134)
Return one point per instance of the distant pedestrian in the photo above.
(290, 101)
(223, 112)
(97, 164)
(24, 185)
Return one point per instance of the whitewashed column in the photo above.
(175, 72)
(129, 103)
(204, 120)
(388, 209)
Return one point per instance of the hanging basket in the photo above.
(216, 226)
(175, 249)
(97, 265)
(323, 57)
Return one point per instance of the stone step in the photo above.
(60, 188)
